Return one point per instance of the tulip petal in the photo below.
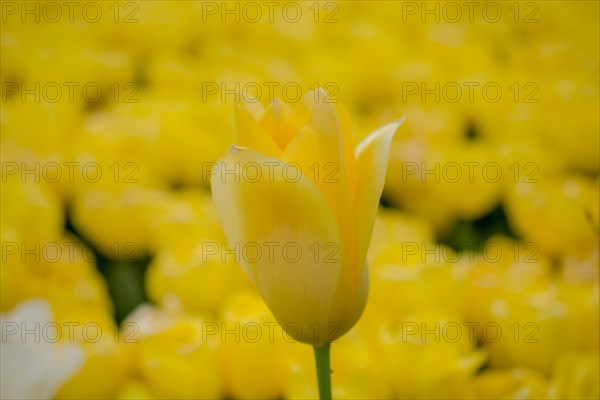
(248, 133)
(253, 106)
(324, 149)
(331, 119)
(286, 211)
(372, 159)
(274, 122)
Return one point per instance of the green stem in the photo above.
(323, 371)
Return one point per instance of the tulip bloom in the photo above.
(298, 203)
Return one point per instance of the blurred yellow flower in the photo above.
(516, 383)
(558, 213)
(199, 282)
(107, 365)
(303, 187)
(174, 355)
(575, 376)
(253, 348)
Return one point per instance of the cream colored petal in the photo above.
(274, 122)
(249, 133)
(346, 310)
(324, 150)
(283, 211)
(372, 158)
(330, 119)
(253, 106)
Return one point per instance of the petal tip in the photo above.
(396, 124)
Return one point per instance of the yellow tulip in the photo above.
(297, 183)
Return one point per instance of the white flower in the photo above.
(34, 367)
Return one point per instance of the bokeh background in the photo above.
(485, 257)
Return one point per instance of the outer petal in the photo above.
(372, 158)
(293, 219)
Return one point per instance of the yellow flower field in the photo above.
(124, 277)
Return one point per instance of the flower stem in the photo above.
(323, 371)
